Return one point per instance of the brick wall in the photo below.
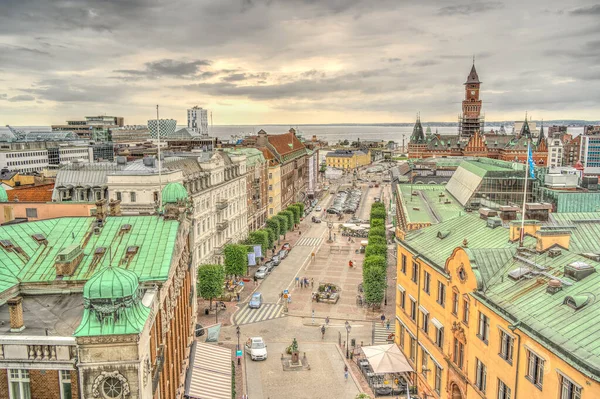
(75, 384)
(44, 384)
(3, 384)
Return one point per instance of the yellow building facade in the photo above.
(479, 318)
(274, 190)
(348, 160)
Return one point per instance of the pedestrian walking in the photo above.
(388, 325)
(302, 283)
(346, 375)
(312, 283)
(297, 280)
(327, 321)
(238, 296)
(255, 280)
(382, 319)
(313, 316)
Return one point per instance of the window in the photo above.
(455, 303)
(484, 327)
(441, 297)
(270, 211)
(506, 346)
(18, 384)
(503, 390)
(402, 336)
(413, 349)
(413, 309)
(132, 196)
(154, 196)
(426, 281)
(415, 272)
(65, 384)
(270, 200)
(439, 337)
(425, 358)
(459, 353)
(403, 300)
(270, 175)
(480, 375)
(568, 389)
(31, 212)
(270, 187)
(438, 379)
(425, 320)
(535, 369)
(466, 311)
(403, 263)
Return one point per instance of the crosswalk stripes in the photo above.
(267, 311)
(380, 334)
(308, 241)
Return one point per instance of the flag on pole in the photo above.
(531, 163)
(212, 333)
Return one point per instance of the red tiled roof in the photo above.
(281, 143)
(41, 193)
(268, 155)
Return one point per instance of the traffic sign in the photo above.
(238, 353)
(286, 292)
(286, 296)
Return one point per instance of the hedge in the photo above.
(376, 249)
(290, 219)
(377, 240)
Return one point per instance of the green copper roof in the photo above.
(174, 192)
(129, 320)
(3, 195)
(427, 205)
(111, 282)
(253, 155)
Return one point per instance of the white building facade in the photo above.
(197, 120)
(555, 153)
(166, 127)
(35, 157)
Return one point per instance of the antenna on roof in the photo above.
(159, 163)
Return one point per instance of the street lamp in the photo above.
(330, 226)
(385, 298)
(237, 332)
(348, 328)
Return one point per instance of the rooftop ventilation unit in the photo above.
(578, 270)
(554, 252)
(494, 222)
(125, 228)
(592, 256)
(576, 302)
(519, 273)
(554, 286)
(6, 244)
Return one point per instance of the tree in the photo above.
(236, 259)
(271, 235)
(377, 240)
(374, 261)
(363, 396)
(273, 224)
(378, 213)
(375, 249)
(210, 282)
(301, 206)
(374, 284)
(377, 231)
(283, 224)
(295, 209)
(377, 222)
(290, 219)
(259, 237)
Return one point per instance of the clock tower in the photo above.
(471, 120)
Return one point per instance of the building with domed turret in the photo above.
(98, 307)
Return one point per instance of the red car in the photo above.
(286, 246)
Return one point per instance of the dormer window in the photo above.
(576, 302)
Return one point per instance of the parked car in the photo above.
(199, 330)
(318, 208)
(255, 301)
(286, 246)
(283, 254)
(261, 272)
(270, 266)
(370, 186)
(316, 219)
(276, 259)
(256, 348)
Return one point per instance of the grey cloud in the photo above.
(587, 11)
(425, 63)
(68, 90)
(22, 97)
(395, 59)
(165, 67)
(237, 77)
(470, 8)
(3, 96)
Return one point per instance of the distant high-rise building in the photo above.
(197, 118)
(166, 126)
(97, 128)
(471, 120)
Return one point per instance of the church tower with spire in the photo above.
(471, 120)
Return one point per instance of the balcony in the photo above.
(222, 204)
(221, 226)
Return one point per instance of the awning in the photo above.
(209, 374)
(386, 359)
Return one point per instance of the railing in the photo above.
(222, 225)
(221, 204)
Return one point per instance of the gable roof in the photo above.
(41, 193)
(285, 144)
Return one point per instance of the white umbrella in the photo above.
(386, 359)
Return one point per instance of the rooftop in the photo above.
(41, 193)
(431, 204)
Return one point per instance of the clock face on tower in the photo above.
(472, 92)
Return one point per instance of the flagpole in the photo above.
(522, 232)
(159, 162)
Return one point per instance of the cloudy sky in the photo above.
(296, 61)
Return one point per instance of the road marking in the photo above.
(308, 241)
(267, 311)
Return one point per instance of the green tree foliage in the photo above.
(374, 284)
(295, 209)
(273, 224)
(283, 224)
(377, 240)
(210, 281)
(290, 218)
(259, 237)
(374, 261)
(378, 213)
(236, 259)
(377, 231)
(363, 396)
(301, 206)
(377, 205)
(272, 236)
(374, 249)
(377, 223)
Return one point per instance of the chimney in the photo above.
(101, 210)
(531, 228)
(115, 207)
(15, 309)
(261, 140)
(547, 239)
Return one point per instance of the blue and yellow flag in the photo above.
(530, 162)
